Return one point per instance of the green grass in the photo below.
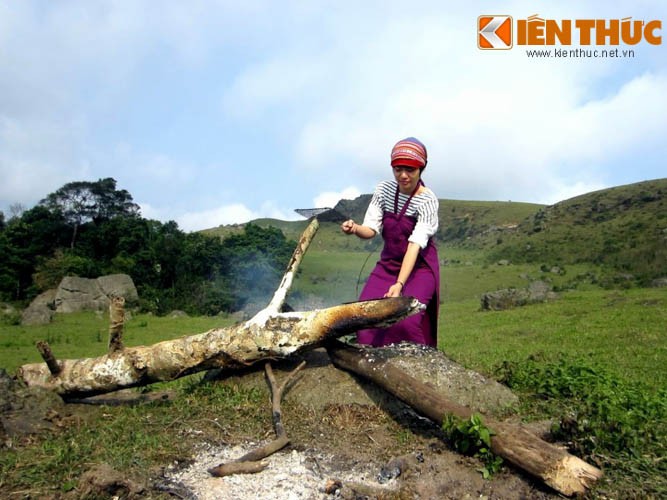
(622, 331)
(469, 278)
(594, 362)
(132, 439)
(85, 334)
(331, 278)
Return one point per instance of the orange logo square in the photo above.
(494, 32)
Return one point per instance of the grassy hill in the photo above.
(620, 233)
(621, 229)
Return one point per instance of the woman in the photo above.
(405, 212)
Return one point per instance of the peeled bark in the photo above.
(558, 469)
(270, 334)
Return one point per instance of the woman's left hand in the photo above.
(395, 290)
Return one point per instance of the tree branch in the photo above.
(252, 459)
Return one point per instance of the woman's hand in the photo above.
(349, 227)
(395, 290)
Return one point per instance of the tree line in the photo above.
(90, 229)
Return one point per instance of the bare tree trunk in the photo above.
(269, 334)
(116, 322)
(563, 472)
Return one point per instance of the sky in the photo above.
(221, 112)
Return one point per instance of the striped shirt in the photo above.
(423, 207)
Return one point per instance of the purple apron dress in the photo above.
(423, 283)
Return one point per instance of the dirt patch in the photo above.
(350, 439)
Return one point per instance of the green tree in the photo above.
(91, 228)
(37, 233)
(83, 201)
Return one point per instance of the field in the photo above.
(597, 355)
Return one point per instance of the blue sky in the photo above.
(220, 112)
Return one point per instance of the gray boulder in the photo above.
(82, 294)
(41, 309)
(76, 294)
(537, 291)
(119, 285)
(659, 282)
(507, 298)
(38, 315)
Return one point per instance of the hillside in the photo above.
(621, 229)
(460, 222)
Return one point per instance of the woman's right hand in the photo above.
(348, 227)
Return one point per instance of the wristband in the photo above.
(400, 283)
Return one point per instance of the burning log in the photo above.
(567, 474)
(269, 334)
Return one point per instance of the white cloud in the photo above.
(263, 87)
(148, 211)
(324, 89)
(228, 214)
(500, 124)
(329, 199)
(561, 192)
(235, 213)
(270, 210)
(37, 157)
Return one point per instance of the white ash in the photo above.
(290, 475)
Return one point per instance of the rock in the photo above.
(46, 299)
(504, 299)
(659, 282)
(119, 285)
(428, 365)
(102, 481)
(178, 314)
(537, 291)
(41, 309)
(36, 315)
(7, 309)
(76, 294)
(456, 383)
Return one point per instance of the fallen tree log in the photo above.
(270, 334)
(565, 473)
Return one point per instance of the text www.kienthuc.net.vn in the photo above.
(579, 53)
